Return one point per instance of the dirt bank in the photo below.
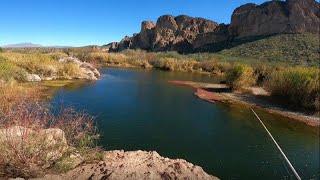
(134, 165)
(256, 97)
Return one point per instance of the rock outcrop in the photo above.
(187, 34)
(86, 71)
(135, 165)
(274, 17)
(167, 34)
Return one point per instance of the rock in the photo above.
(146, 34)
(220, 34)
(169, 33)
(135, 165)
(275, 17)
(52, 141)
(33, 78)
(88, 71)
(187, 34)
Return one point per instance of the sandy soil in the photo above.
(255, 96)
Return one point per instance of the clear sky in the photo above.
(85, 22)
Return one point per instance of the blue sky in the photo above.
(85, 22)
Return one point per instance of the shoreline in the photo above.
(248, 99)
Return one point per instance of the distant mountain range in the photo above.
(30, 45)
(22, 45)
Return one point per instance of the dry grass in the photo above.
(27, 155)
(300, 85)
(15, 66)
(240, 76)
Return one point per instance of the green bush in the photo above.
(299, 84)
(240, 76)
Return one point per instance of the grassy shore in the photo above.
(298, 83)
(14, 66)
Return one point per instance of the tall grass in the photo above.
(299, 84)
(240, 76)
(16, 65)
(9, 71)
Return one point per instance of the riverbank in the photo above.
(254, 97)
(35, 143)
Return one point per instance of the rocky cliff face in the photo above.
(187, 34)
(274, 17)
(168, 33)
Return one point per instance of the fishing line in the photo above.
(277, 145)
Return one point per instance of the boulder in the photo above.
(88, 71)
(32, 77)
(50, 142)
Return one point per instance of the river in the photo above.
(140, 110)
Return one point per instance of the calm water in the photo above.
(138, 109)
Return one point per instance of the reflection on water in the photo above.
(138, 109)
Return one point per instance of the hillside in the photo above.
(293, 48)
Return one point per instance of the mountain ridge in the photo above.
(22, 45)
(187, 34)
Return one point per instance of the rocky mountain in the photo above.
(188, 34)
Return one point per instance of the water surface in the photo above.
(140, 110)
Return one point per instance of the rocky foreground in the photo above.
(115, 164)
(187, 34)
(134, 165)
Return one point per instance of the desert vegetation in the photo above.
(35, 139)
(19, 66)
(281, 79)
(237, 70)
(300, 85)
(298, 49)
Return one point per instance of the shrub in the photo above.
(68, 70)
(32, 153)
(240, 76)
(300, 85)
